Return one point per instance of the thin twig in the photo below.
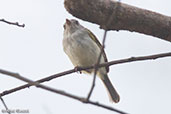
(12, 23)
(81, 99)
(6, 108)
(101, 50)
(95, 67)
(115, 62)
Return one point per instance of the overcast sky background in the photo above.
(36, 52)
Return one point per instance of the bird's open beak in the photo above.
(68, 22)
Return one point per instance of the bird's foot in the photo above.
(77, 69)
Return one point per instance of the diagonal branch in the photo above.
(6, 108)
(12, 23)
(115, 62)
(81, 99)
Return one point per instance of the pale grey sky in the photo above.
(36, 52)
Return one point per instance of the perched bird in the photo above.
(83, 49)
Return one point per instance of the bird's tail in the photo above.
(113, 95)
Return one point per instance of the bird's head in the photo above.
(71, 26)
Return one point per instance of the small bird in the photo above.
(83, 49)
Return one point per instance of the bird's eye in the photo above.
(77, 22)
(64, 26)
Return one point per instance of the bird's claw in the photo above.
(77, 69)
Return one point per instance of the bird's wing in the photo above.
(99, 45)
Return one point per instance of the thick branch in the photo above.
(124, 17)
(132, 59)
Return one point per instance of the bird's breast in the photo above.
(81, 50)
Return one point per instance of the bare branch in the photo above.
(115, 62)
(12, 23)
(125, 17)
(81, 99)
(6, 108)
